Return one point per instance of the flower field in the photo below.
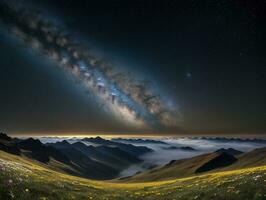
(24, 179)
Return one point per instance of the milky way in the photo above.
(131, 101)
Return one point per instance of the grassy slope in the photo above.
(24, 179)
(178, 169)
(187, 167)
(254, 158)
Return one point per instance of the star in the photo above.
(188, 75)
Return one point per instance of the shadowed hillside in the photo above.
(221, 160)
(217, 161)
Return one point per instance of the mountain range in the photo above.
(104, 161)
(129, 148)
(98, 158)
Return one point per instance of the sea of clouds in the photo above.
(161, 155)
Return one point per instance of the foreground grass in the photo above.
(22, 179)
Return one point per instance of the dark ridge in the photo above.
(4, 136)
(57, 155)
(186, 148)
(170, 148)
(152, 167)
(97, 140)
(30, 144)
(225, 139)
(221, 160)
(60, 145)
(81, 161)
(231, 151)
(170, 163)
(129, 148)
(35, 149)
(38, 151)
(149, 141)
(9, 148)
(113, 156)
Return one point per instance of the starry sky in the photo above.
(206, 60)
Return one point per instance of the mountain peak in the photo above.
(230, 151)
(65, 142)
(31, 142)
(98, 138)
(222, 159)
(4, 136)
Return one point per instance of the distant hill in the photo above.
(139, 141)
(217, 161)
(226, 139)
(111, 156)
(4, 136)
(185, 148)
(174, 169)
(254, 158)
(221, 160)
(83, 164)
(35, 149)
(230, 151)
(103, 161)
(9, 147)
(129, 148)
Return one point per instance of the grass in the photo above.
(24, 179)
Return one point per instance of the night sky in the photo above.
(206, 60)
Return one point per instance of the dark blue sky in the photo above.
(208, 57)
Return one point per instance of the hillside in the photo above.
(104, 161)
(254, 158)
(66, 158)
(217, 161)
(174, 169)
(111, 156)
(23, 179)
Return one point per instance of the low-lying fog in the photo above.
(167, 151)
